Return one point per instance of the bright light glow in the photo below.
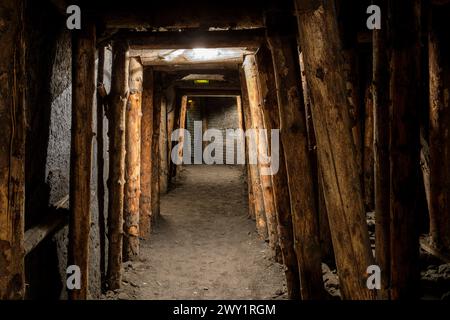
(205, 54)
(201, 81)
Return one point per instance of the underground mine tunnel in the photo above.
(294, 149)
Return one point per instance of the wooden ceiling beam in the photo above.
(205, 92)
(177, 14)
(193, 68)
(251, 38)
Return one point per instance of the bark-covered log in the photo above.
(255, 99)
(381, 149)
(181, 126)
(320, 43)
(405, 88)
(133, 162)
(155, 149)
(12, 146)
(163, 170)
(439, 64)
(116, 180)
(266, 79)
(254, 177)
(251, 200)
(83, 94)
(145, 204)
(324, 227)
(101, 107)
(293, 133)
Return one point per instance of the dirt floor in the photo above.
(204, 246)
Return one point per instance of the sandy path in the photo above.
(204, 247)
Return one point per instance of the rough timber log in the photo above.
(163, 164)
(146, 154)
(251, 76)
(405, 87)
(101, 107)
(182, 125)
(324, 227)
(251, 200)
(381, 151)
(12, 150)
(254, 177)
(116, 180)
(283, 45)
(270, 109)
(320, 42)
(133, 162)
(439, 64)
(368, 169)
(155, 198)
(83, 94)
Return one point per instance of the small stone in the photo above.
(279, 292)
(123, 296)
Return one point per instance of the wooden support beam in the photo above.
(191, 39)
(83, 93)
(155, 165)
(50, 224)
(255, 99)
(100, 116)
(146, 154)
(12, 154)
(266, 80)
(116, 180)
(405, 96)
(133, 162)
(199, 14)
(320, 41)
(368, 158)
(171, 114)
(439, 69)
(163, 165)
(251, 198)
(254, 177)
(214, 67)
(324, 227)
(380, 93)
(205, 92)
(283, 46)
(182, 125)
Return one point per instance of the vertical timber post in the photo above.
(133, 162)
(116, 180)
(83, 93)
(145, 202)
(12, 146)
(157, 98)
(163, 170)
(405, 88)
(251, 200)
(320, 43)
(439, 146)
(279, 180)
(281, 36)
(251, 77)
(381, 78)
(254, 177)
